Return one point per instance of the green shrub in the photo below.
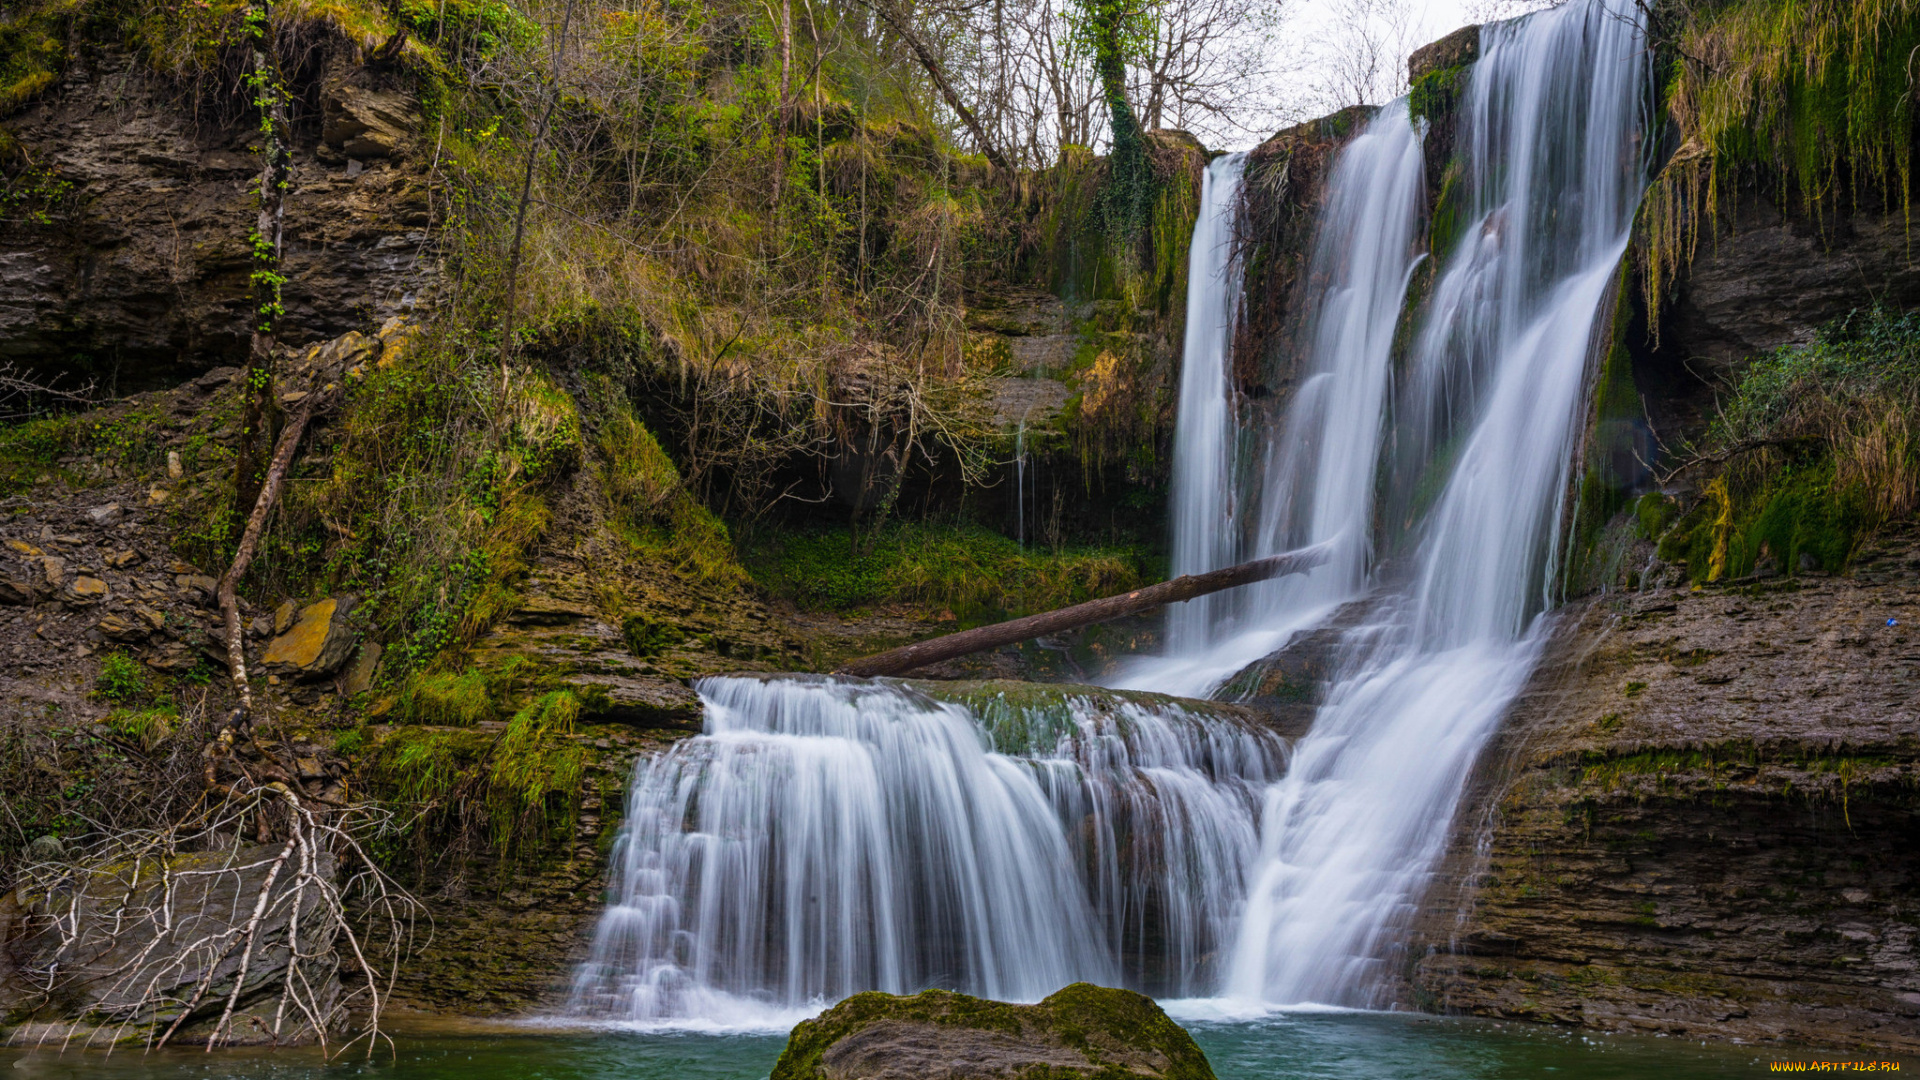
(121, 679)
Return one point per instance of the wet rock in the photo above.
(53, 570)
(120, 628)
(359, 676)
(1080, 1033)
(1460, 47)
(317, 643)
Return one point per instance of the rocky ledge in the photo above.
(1700, 820)
(1082, 1032)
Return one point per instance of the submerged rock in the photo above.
(1083, 1031)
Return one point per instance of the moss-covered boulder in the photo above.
(1083, 1031)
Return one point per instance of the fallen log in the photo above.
(1185, 587)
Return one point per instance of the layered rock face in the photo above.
(1701, 821)
(136, 273)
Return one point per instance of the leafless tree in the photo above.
(1360, 54)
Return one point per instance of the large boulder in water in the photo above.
(1083, 1031)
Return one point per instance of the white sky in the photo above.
(1311, 24)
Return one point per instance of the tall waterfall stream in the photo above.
(824, 837)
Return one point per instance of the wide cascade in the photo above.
(823, 837)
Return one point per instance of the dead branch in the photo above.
(1185, 587)
(249, 544)
(129, 924)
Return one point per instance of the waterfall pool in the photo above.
(1297, 1046)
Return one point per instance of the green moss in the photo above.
(452, 699)
(1605, 488)
(422, 769)
(1443, 229)
(1089, 1019)
(1653, 513)
(1434, 93)
(974, 572)
(535, 766)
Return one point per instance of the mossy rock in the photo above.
(1083, 1031)
(1031, 717)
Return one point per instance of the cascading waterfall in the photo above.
(1316, 483)
(1554, 169)
(822, 838)
(1203, 434)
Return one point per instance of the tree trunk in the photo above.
(1128, 178)
(534, 142)
(250, 543)
(1185, 587)
(928, 61)
(266, 278)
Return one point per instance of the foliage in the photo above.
(976, 573)
(534, 765)
(145, 728)
(121, 678)
(1434, 93)
(1818, 449)
(1812, 94)
(456, 700)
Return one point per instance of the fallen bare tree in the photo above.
(1186, 587)
(148, 934)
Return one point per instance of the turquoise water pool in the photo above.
(1305, 1046)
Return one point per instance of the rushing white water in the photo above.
(1204, 434)
(1316, 483)
(1349, 836)
(822, 838)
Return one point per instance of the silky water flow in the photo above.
(823, 837)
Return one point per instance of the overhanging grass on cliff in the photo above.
(973, 572)
(1814, 448)
(1812, 97)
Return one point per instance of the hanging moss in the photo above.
(1436, 91)
(1812, 96)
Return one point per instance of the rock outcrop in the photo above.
(1082, 1032)
(137, 274)
(1701, 821)
(90, 955)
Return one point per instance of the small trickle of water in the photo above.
(824, 837)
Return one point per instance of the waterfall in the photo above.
(1203, 436)
(823, 837)
(1315, 483)
(1554, 169)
